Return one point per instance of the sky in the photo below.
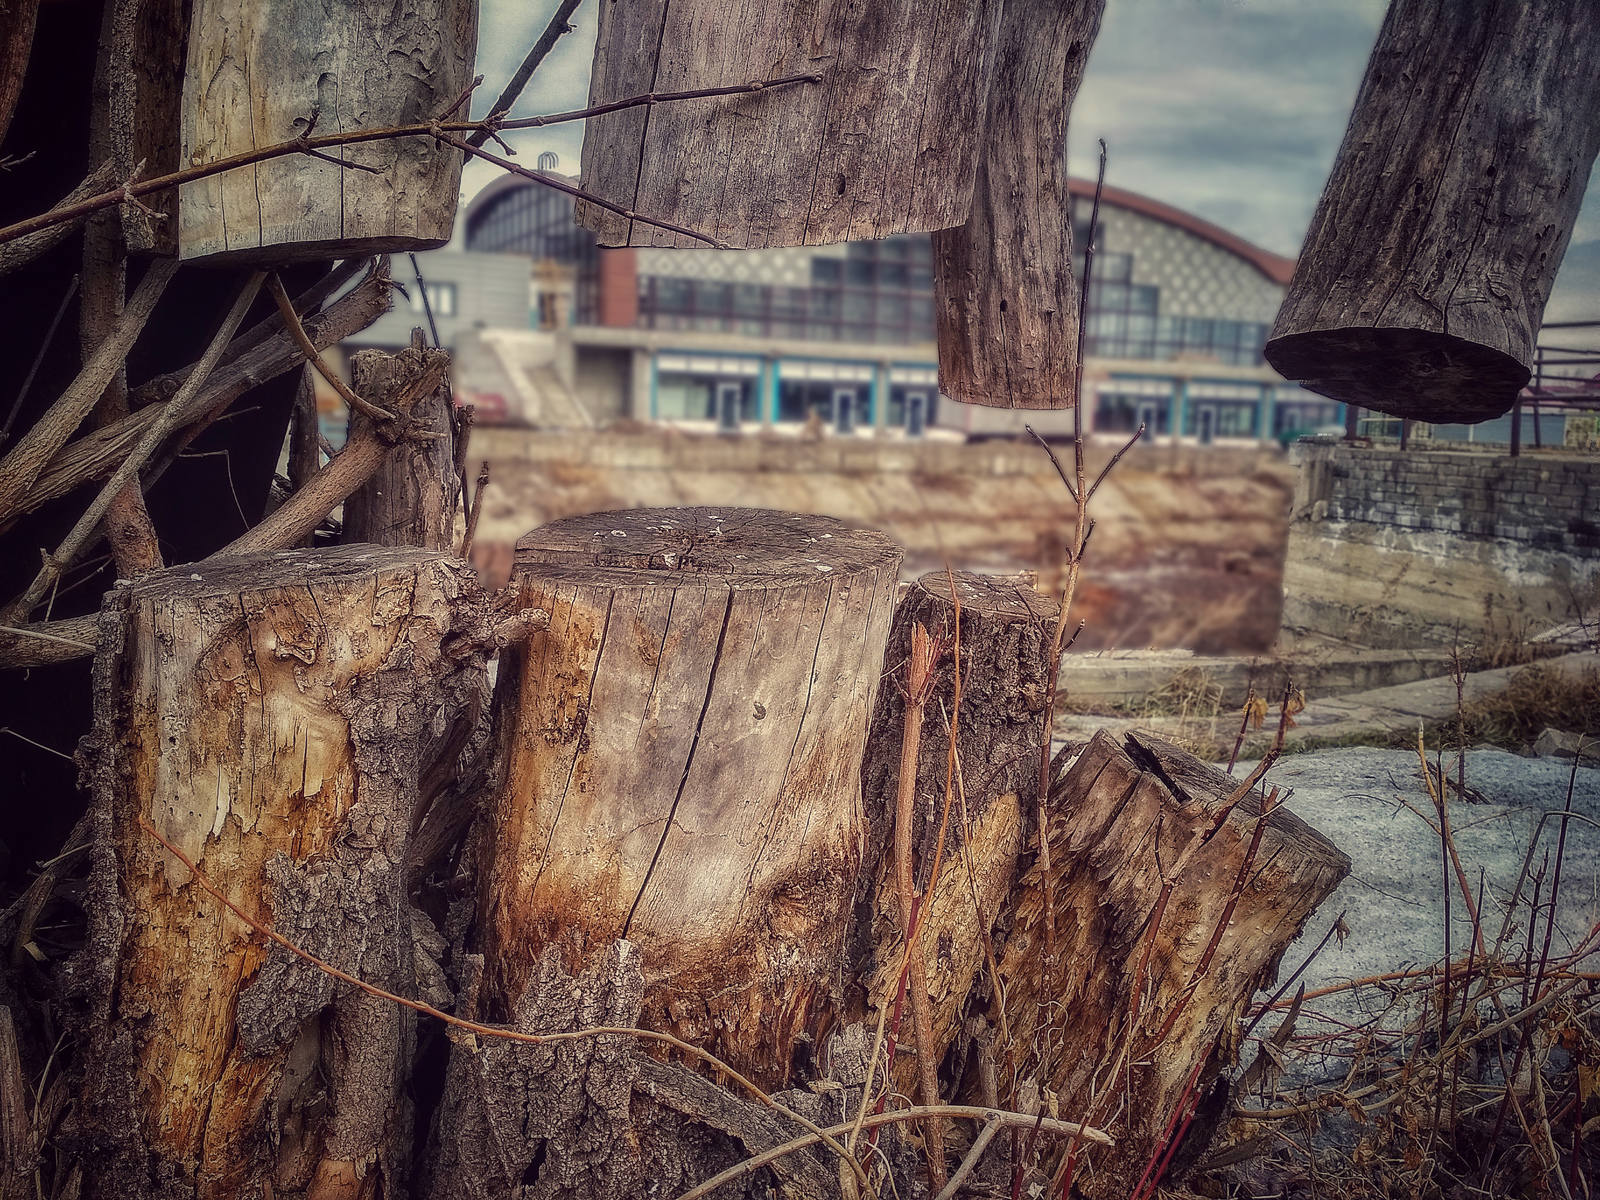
(1230, 109)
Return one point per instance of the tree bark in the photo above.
(259, 75)
(412, 498)
(274, 718)
(1005, 640)
(1006, 300)
(1120, 818)
(1423, 279)
(683, 753)
(886, 144)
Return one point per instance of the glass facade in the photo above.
(537, 221)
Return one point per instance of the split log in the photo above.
(1120, 817)
(273, 717)
(259, 75)
(1006, 629)
(886, 143)
(1423, 279)
(683, 751)
(412, 498)
(1007, 303)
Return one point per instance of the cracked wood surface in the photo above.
(271, 715)
(886, 143)
(1423, 278)
(683, 751)
(257, 73)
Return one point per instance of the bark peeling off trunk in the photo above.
(271, 715)
(1423, 278)
(683, 752)
(1120, 816)
(1005, 638)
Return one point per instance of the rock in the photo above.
(1553, 743)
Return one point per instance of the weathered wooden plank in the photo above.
(258, 74)
(1006, 301)
(887, 143)
(683, 750)
(1424, 275)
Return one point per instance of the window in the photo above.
(441, 297)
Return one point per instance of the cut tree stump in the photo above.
(1006, 299)
(258, 74)
(683, 756)
(275, 717)
(1423, 278)
(886, 143)
(1006, 629)
(1119, 817)
(413, 497)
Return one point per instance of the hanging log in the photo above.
(274, 717)
(683, 752)
(412, 498)
(886, 143)
(1120, 818)
(261, 74)
(1005, 641)
(1006, 300)
(1423, 279)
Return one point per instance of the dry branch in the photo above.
(18, 254)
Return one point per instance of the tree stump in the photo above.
(1120, 817)
(274, 717)
(683, 756)
(1007, 302)
(260, 74)
(886, 143)
(412, 498)
(1423, 278)
(1006, 629)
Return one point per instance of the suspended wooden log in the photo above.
(412, 498)
(1006, 300)
(683, 756)
(1005, 639)
(274, 717)
(260, 74)
(886, 143)
(1128, 955)
(1423, 279)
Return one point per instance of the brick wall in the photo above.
(1540, 501)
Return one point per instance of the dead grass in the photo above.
(1539, 697)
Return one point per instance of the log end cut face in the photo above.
(1411, 373)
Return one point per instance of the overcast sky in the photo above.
(1231, 109)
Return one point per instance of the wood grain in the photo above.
(1006, 301)
(1423, 279)
(256, 75)
(886, 144)
(683, 765)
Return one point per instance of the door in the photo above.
(1206, 423)
(916, 413)
(729, 396)
(844, 410)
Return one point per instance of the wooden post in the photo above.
(683, 757)
(1120, 818)
(272, 716)
(1424, 275)
(412, 499)
(1005, 640)
(886, 143)
(1007, 303)
(259, 74)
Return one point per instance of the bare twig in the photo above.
(970, 1162)
(20, 253)
(291, 322)
(44, 345)
(477, 508)
(536, 55)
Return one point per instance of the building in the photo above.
(843, 336)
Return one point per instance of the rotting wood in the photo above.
(271, 716)
(1005, 298)
(886, 143)
(683, 751)
(258, 76)
(1423, 278)
(1120, 817)
(413, 498)
(17, 21)
(1005, 638)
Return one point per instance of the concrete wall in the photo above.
(1392, 549)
